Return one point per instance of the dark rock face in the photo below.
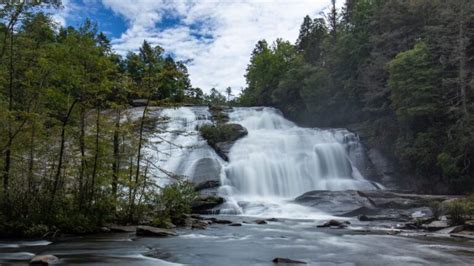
(335, 223)
(44, 260)
(287, 261)
(222, 137)
(374, 205)
(123, 228)
(218, 221)
(383, 168)
(334, 202)
(206, 169)
(223, 149)
(203, 204)
(207, 185)
(235, 224)
(193, 222)
(144, 230)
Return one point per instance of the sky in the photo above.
(215, 37)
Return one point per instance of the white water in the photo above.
(276, 162)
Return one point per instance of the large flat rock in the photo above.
(372, 204)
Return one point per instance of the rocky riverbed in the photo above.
(254, 243)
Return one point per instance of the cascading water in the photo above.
(276, 162)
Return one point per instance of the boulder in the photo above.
(218, 221)
(464, 234)
(451, 230)
(223, 149)
(207, 185)
(222, 137)
(123, 228)
(44, 260)
(206, 169)
(335, 223)
(144, 230)
(371, 205)
(235, 224)
(204, 203)
(436, 225)
(260, 222)
(195, 222)
(287, 261)
(334, 202)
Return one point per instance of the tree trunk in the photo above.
(7, 164)
(462, 62)
(140, 140)
(61, 154)
(82, 148)
(31, 160)
(116, 162)
(96, 156)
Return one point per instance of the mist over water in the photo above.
(276, 162)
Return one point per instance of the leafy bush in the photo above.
(461, 210)
(173, 202)
(225, 132)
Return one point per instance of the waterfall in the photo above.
(277, 161)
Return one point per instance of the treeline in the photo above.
(71, 154)
(399, 71)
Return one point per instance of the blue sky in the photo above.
(217, 37)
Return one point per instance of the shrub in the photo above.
(173, 202)
(225, 132)
(461, 210)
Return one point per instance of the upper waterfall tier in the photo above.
(276, 159)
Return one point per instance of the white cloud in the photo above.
(235, 27)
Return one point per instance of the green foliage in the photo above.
(414, 81)
(461, 210)
(173, 202)
(219, 133)
(69, 148)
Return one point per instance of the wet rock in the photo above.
(235, 224)
(123, 228)
(198, 224)
(393, 232)
(288, 261)
(206, 202)
(144, 230)
(206, 169)
(394, 200)
(260, 222)
(372, 205)
(436, 225)
(464, 234)
(223, 149)
(195, 221)
(334, 202)
(451, 230)
(207, 185)
(44, 260)
(335, 223)
(105, 229)
(222, 137)
(365, 218)
(218, 221)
